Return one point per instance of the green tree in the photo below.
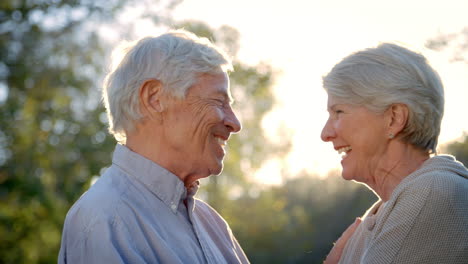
(53, 132)
(53, 136)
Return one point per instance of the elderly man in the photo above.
(169, 107)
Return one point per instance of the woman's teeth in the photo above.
(344, 151)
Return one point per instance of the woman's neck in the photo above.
(401, 160)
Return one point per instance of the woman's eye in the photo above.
(338, 111)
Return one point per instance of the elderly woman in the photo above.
(385, 109)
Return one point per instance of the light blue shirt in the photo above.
(139, 212)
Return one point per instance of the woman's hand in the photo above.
(335, 254)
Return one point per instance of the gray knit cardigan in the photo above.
(424, 221)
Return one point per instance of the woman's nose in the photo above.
(328, 132)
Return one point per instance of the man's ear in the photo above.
(398, 117)
(151, 97)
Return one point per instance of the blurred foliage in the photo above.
(298, 221)
(251, 87)
(459, 149)
(54, 140)
(457, 43)
(53, 135)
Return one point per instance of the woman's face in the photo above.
(359, 135)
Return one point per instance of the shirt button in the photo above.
(173, 207)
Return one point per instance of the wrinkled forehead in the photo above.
(215, 84)
(221, 78)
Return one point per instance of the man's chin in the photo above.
(217, 169)
(217, 172)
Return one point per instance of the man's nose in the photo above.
(232, 122)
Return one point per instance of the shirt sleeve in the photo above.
(103, 242)
(220, 234)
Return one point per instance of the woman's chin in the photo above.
(347, 176)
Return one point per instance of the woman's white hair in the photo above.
(389, 74)
(175, 58)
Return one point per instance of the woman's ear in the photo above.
(151, 97)
(398, 117)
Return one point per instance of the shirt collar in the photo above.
(161, 182)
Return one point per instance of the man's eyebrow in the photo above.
(226, 96)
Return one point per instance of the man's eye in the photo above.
(219, 102)
(339, 111)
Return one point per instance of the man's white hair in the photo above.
(388, 74)
(175, 58)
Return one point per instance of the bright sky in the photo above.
(304, 39)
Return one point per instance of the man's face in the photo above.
(197, 128)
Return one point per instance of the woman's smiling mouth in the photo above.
(344, 151)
